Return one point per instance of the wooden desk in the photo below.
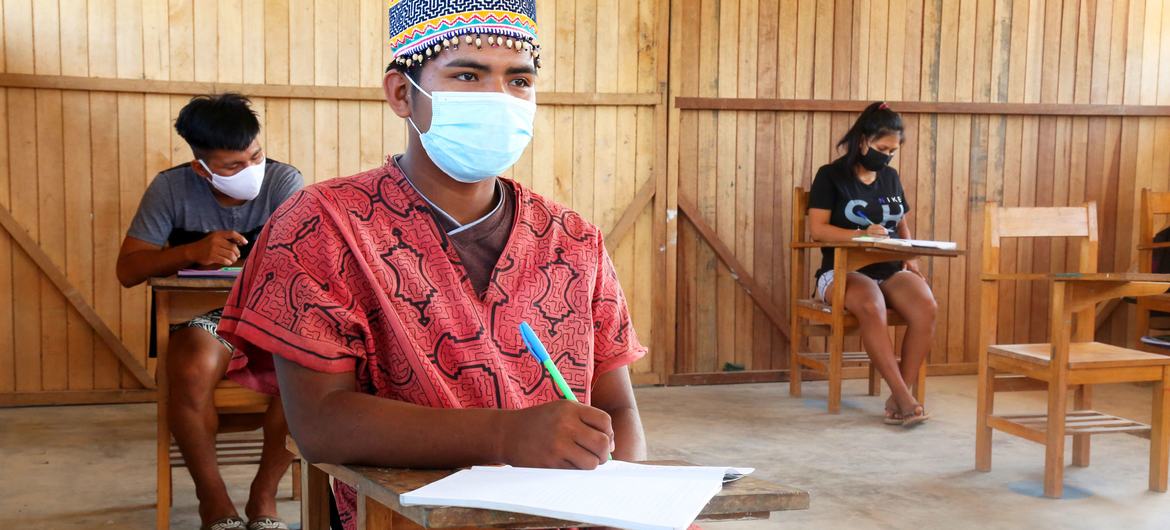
(860, 254)
(177, 300)
(828, 317)
(379, 507)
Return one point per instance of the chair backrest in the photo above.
(1154, 204)
(799, 260)
(1077, 223)
(799, 214)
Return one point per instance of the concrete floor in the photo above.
(92, 467)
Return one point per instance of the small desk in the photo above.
(379, 490)
(862, 253)
(829, 318)
(177, 300)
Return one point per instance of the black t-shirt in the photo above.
(857, 205)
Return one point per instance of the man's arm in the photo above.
(614, 394)
(333, 423)
(139, 260)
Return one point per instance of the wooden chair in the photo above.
(230, 399)
(814, 318)
(1071, 358)
(1154, 204)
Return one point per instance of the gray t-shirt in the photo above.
(179, 208)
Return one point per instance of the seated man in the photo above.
(385, 306)
(206, 214)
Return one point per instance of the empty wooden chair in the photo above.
(1151, 310)
(1071, 358)
(229, 397)
(814, 318)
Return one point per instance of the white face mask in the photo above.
(244, 185)
(476, 135)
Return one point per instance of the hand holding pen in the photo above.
(874, 229)
(559, 434)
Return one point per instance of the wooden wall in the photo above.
(657, 116)
(75, 161)
(739, 166)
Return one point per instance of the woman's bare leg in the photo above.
(865, 300)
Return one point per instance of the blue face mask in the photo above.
(476, 135)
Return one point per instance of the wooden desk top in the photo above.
(1121, 277)
(746, 498)
(884, 247)
(175, 283)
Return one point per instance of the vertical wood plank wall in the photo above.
(74, 163)
(739, 167)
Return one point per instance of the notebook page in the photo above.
(615, 494)
(924, 243)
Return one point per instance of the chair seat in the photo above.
(230, 450)
(231, 398)
(1082, 355)
(892, 316)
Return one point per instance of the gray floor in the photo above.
(93, 467)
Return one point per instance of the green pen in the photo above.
(538, 351)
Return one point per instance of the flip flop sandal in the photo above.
(227, 523)
(915, 419)
(267, 523)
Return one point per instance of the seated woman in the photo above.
(860, 194)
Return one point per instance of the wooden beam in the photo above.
(630, 216)
(665, 228)
(921, 107)
(738, 272)
(345, 93)
(76, 397)
(45, 263)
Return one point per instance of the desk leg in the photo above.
(315, 498)
(162, 302)
(373, 515)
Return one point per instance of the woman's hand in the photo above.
(876, 230)
(912, 266)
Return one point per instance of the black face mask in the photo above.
(874, 160)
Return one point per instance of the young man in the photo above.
(385, 306)
(206, 214)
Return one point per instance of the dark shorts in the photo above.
(208, 322)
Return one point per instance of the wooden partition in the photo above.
(678, 126)
(91, 89)
(1041, 102)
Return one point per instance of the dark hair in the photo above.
(218, 121)
(876, 121)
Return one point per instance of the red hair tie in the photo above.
(883, 106)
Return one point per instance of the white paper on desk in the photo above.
(923, 243)
(621, 494)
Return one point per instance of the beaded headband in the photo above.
(421, 29)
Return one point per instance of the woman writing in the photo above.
(860, 194)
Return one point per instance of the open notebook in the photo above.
(921, 243)
(226, 272)
(621, 494)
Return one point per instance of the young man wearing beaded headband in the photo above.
(385, 306)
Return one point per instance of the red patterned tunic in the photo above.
(353, 274)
